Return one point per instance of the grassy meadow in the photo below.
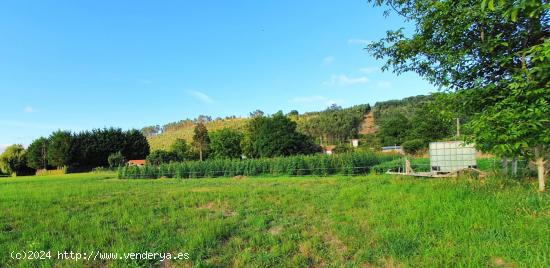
(365, 221)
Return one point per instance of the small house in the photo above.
(138, 163)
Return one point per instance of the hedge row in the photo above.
(321, 165)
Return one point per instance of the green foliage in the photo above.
(159, 157)
(14, 160)
(275, 136)
(349, 164)
(394, 129)
(201, 140)
(414, 147)
(226, 143)
(116, 160)
(334, 125)
(181, 150)
(37, 154)
(59, 149)
(90, 149)
(496, 56)
(342, 148)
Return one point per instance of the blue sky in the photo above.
(86, 64)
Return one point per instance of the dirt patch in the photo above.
(212, 206)
(209, 205)
(389, 262)
(229, 213)
(335, 242)
(275, 230)
(305, 249)
(240, 177)
(500, 262)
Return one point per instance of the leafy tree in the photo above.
(37, 154)
(135, 145)
(428, 123)
(226, 144)
(394, 129)
(59, 148)
(496, 59)
(151, 131)
(276, 136)
(161, 157)
(91, 149)
(257, 113)
(116, 160)
(294, 113)
(182, 150)
(14, 160)
(201, 139)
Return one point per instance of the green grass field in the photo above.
(262, 222)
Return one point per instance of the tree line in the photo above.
(263, 136)
(80, 151)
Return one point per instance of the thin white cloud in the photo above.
(384, 84)
(368, 70)
(328, 60)
(29, 109)
(201, 96)
(344, 80)
(315, 100)
(355, 41)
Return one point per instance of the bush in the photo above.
(342, 148)
(413, 147)
(321, 165)
(116, 160)
(161, 157)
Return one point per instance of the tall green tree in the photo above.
(275, 136)
(487, 53)
(59, 148)
(182, 150)
(37, 153)
(226, 144)
(201, 140)
(14, 161)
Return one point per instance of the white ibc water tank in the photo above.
(450, 156)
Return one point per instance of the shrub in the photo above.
(116, 160)
(159, 157)
(342, 148)
(413, 147)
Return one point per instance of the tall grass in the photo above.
(320, 165)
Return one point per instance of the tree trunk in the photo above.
(539, 163)
(515, 166)
(504, 165)
(200, 154)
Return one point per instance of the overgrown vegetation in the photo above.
(322, 165)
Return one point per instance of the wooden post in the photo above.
(407, 166)
(540, 162)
